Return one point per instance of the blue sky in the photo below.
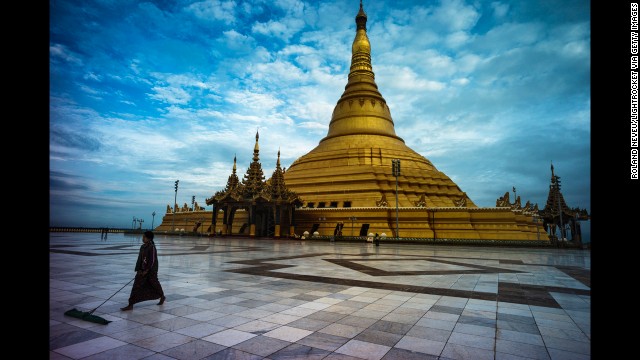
(144, 93)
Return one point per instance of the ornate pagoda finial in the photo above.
(256, 148)
(361, 48)
(234, 163)
(361, 18)
(278, 162)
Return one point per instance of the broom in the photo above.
(88, 316)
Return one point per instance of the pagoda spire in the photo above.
(253, 181)
(256, 148)
(232, 181)
(361, 48)
(278, 189)
(555, 200)
(361, 109)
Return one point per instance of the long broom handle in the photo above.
(91, 312)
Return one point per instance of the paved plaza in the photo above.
(239, 298)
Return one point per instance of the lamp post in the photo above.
(353, 218)
(140, 221)
(133, 223)
(175, 199)
(153, 220)
(557, 184)
(395, 166)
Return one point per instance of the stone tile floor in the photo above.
(238, 298)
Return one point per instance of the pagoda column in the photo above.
(214, 214)
(225, 214)
(292, 224)
(252, 220)
(277, 216)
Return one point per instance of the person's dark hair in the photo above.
(149, 235)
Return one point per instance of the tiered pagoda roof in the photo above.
(253, 186)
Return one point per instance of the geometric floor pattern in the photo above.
(240, 298)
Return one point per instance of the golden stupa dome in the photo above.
(351, 166)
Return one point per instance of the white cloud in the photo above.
(255, 101)
(577, 49)
(406, 80)
(89, 90)
(92, 76)
(458, 39)
(510, 36)
(468, 63)
(170, 94)
(209, 113)
(176, 112)
(179, 88)
(121, 142)
(277, 72)
(455, 133)
(184, 80)
(283, 29)
(499, 9)
(133, 65)
(61, 51)
(311, 109)
(314, 125)
(571, 41)
(215, 97)
(236, 41)
(439, 64)
(214, 10)
(456, 15)
(292, 7)
(297, 50)
(460, 81)
(572, 31)
(579, 120)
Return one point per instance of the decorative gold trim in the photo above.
(382, 202)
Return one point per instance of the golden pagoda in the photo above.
(362, 179)
(353, 162)
(348, 177)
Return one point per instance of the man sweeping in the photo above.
(146, 285)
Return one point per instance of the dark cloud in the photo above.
(66, 182)
(74, 140)
(60, 174)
